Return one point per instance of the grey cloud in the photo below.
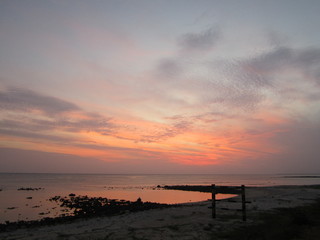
(248, 80)
(201, 42)
(259, 72)
(53, 115)
(246, 100)
(276, 38)
(169, 68)
(187, 43)
(25, 124)
(232, 95)
(242, 99)
(243, 84)
(307, 61)
(212, 116)
(270, 61)
(308, 57)
(98, 124)
(26, 100)
(41, 129)
(34, 135)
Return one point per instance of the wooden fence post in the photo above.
(243, 194)
(213, 201)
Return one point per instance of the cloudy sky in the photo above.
(133, 86)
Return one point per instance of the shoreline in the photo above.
(188, 221)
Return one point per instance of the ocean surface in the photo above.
(25, 196)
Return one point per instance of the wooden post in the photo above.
(213, 201)
(243, 194)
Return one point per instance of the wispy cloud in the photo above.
(169, 68)
(27, 100)
(269, 64)
(26, 113)
(160, 135)
(35, 136)
(199, 42)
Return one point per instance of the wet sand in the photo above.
(191, 221)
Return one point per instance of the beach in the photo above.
(190, 221)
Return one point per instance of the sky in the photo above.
(139, 86)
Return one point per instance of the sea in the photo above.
(25, 196)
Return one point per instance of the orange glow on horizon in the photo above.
(141, 139)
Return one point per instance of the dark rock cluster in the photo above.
(97, 206)
(196, 188)
(29, 189)
(84, 207)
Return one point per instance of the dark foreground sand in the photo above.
(192, 221)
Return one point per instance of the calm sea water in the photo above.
(31, 205)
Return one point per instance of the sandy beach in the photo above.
(191, 221)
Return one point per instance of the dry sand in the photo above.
(192, 221)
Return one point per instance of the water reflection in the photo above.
(159, 196)
(34, 205)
